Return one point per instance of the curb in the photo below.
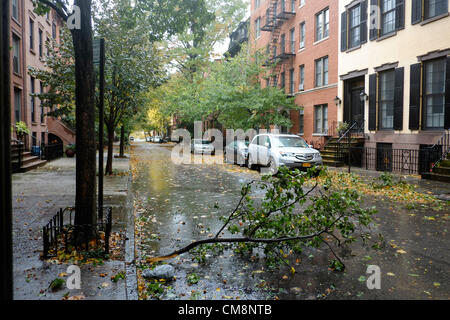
(130, 265)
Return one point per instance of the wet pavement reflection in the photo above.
(176, 204)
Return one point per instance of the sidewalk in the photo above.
(37, 196)
(439, 189)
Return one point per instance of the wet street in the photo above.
(176, 204)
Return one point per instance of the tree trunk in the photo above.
(122, 141)
(109, 160)
(6, 225)
(85, 199)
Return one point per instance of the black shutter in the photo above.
(416, 12)
(400, 14)
(363, 26)
(374, 20)
(414, 96)
(372, 102)
(344, 31)
(398, 99)
(447, 97)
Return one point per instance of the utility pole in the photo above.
(6, 253)
(101, 108)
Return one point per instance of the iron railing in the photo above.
(60, 233)
(52, 151)
(17, 148)
(436, 153)
(406, 161)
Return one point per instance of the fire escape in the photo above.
(282, 58)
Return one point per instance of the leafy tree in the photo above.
(165, 18)
(209, 22)
(59, 78)
(228, 91)
(132, 65)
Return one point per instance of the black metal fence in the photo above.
(52, 151)
(406, 161)
(61, 233)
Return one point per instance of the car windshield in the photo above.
(198, 141)
(290, 142)
(242, 144)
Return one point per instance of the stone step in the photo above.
(442, 170)
(32, 165)
(436, 177)
(29, 159)
(333, 163)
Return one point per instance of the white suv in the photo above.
(275, 150)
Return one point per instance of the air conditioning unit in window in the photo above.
(301, 87)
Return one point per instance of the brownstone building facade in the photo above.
(30, 33)
(301, 37)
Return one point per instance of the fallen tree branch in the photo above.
(231, 240)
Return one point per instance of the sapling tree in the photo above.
(296, 212)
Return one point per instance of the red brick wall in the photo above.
(307, 56)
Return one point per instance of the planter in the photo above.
(70, 153)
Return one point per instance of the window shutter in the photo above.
(374, 20)
(414, 96)
(363, 26)
(344, 31)
(400, 14)
(398, 99)
(372, 102)
(447, 96)
(416, 12)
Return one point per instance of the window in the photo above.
(434, 93)
(301, 85)
(322, 24)
(321, 119)
(292, 36)
(283, 44)
(16, 54)
(258, 28)
(355, 21)
(17, 104)
(32, 100)
(34, 138)
(54, 30)
(283, 80)
(275, 81)
(47, 41)
(41, 43)
(257, 3)
(427, 9)
(434, 8)
(387, 16)
(15, 9)
(322, 72)
(301, 123)
(291, 82)
(354, 26)
(31, 34)
(292, 5)
(41, 104)
(386, 100)
(302, 35)
(301, 3)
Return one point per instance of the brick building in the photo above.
(301, 37)
(30, 33)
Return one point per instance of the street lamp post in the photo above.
(6, 254)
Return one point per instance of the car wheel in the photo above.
(250, 165)
(273, 169)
